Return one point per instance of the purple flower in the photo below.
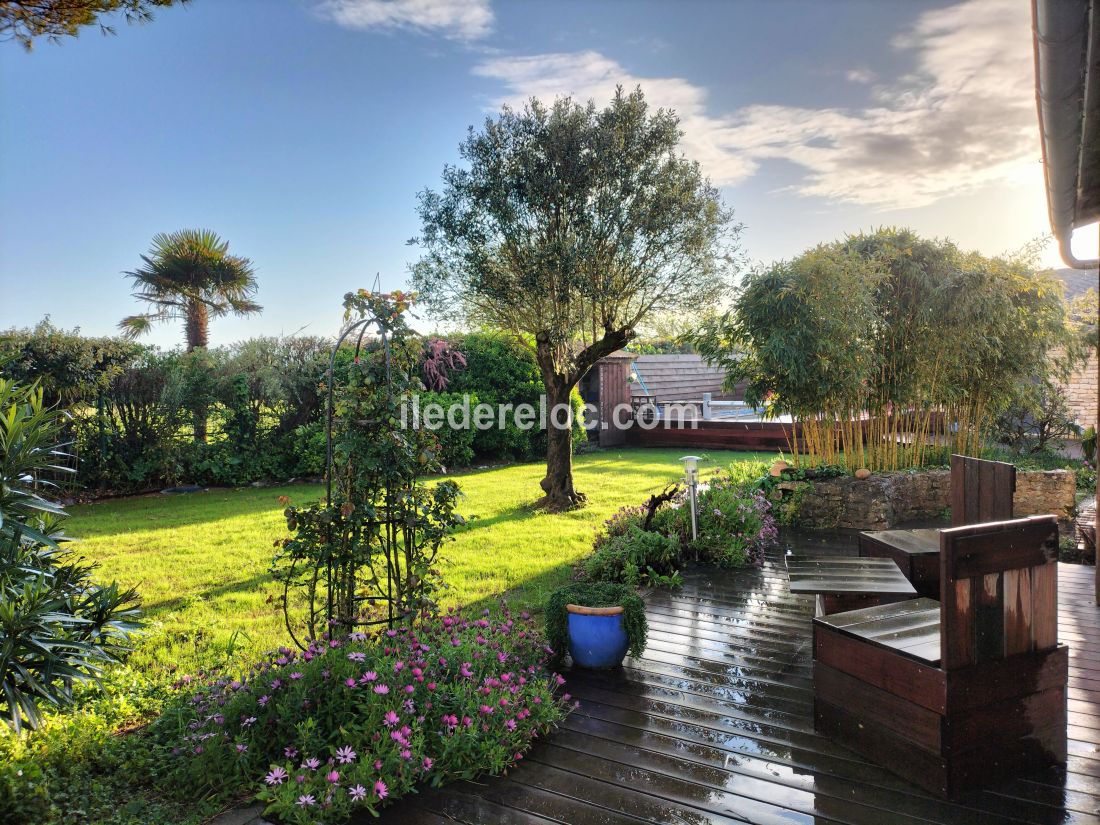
(357, 793)
(345, 755)
(357, 656)
(390, 719)
(383, 689)
(381, 789)
(277, 776)
(369, 676)
(305, 801)
(313, 763)
(289, 752)
(333, 777)
(296, 675)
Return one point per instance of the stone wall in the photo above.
(1081, 394)
(1045, 491)
(887, 499)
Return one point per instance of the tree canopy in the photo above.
(567, 226)
(25, 20)
(190, 275)
(883, 345)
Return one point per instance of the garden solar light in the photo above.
(691, 476)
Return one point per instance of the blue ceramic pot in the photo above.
(597, 638)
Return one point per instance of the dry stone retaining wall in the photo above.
(887, 499)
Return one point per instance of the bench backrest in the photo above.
(981, 491)
(999, 590)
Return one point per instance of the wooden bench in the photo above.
(981, 492)
(956, 694)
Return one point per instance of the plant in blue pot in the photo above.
(598, 623)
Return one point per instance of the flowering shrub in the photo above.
(735, 524)
(351, 723)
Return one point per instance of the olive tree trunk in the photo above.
(558, 483)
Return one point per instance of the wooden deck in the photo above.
(714, 724)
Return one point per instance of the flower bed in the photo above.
(353, 723)
(734, 526)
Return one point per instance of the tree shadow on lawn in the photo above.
(253, 584)
(517, 512)
(530, 594)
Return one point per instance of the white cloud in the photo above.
(587, 75)
(454, 19)
(963, 118)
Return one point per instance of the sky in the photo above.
(301, 131)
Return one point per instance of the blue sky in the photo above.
(301, 131)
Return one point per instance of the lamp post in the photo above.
(691, 477)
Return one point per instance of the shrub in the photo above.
(500, 370)
(352, 723)
(456, 444)
(1086, 478)
(70, 367)
(635, 557)
(596, 594)
(1088, 443)
(308, 447)
(1038, 420)
(56, 625)
(734, 525)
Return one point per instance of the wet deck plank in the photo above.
(714, 723)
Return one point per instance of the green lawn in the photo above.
(201, 561)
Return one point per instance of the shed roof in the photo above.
(681, 377)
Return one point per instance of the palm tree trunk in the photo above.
(197, 329)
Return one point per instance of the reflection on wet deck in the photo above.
(714, 724)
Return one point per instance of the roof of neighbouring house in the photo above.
(1077, 281)
(676, 377)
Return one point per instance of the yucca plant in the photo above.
(56, 625)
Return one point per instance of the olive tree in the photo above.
(566, 227)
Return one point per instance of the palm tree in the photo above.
(191, 275)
